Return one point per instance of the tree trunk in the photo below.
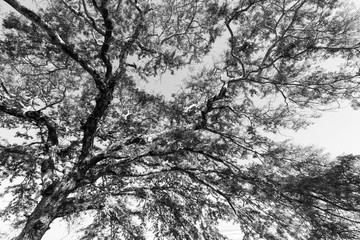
(47, 209)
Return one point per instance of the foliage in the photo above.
(94, 141)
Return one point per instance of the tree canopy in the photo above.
(94, 142)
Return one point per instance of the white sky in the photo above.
(337, 132)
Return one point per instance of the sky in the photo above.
(337, 132)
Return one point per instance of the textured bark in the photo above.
(54, 201)
(47, 210)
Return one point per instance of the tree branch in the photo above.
(76, 205)
(209, 106)
(107, 37)
(57, 40)
(34, 116)
(103, 101)
(86, 17)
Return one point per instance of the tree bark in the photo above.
(47, 209)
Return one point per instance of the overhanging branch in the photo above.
(76, 205)
(57, 40)
(33, 116)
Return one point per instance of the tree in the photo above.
(176, 166)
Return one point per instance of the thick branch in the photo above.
(209, 106)
(47, 209)
(103, 101)
(107, 38)
(34, 116)
(57, 40)
(104, 98)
